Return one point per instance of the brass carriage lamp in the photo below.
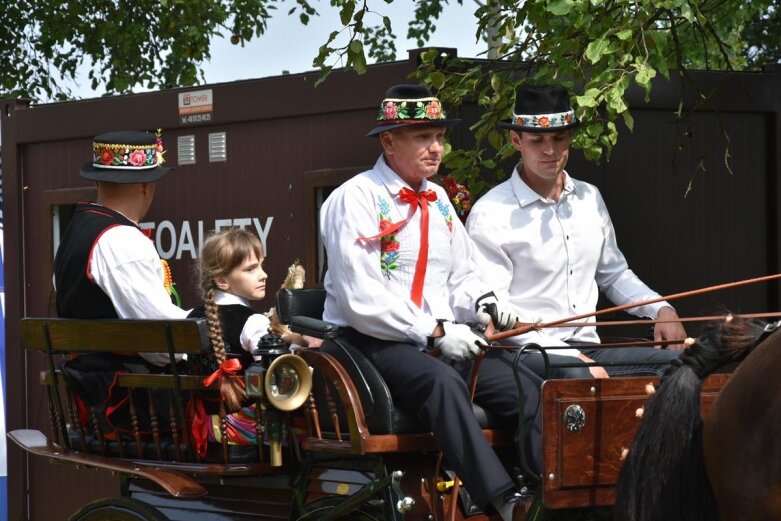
(280, 379)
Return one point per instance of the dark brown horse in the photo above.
(727, 467)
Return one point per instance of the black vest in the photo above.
(232, 319)
(77, 294)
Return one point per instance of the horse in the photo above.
(727, 466)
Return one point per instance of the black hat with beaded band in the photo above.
(410, 105)
(541, 108)
(127, 156)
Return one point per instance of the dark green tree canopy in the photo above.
(598, 48)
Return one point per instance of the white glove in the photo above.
(489, 309)
(459, 342)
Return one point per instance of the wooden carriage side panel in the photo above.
(586, 426)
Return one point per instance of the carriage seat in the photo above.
(302, 310)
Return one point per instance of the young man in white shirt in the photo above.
(546, 243)
(400, 276)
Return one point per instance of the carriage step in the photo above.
(176, 484)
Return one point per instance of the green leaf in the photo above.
(624, 35)
(629, 121)
(589, 98)
(436, 79)
(596, 49)
(559, 7)
(346, 13)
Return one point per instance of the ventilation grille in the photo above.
(218, 149)
(185, 148)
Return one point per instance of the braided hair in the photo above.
(221, 253)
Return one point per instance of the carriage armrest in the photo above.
(308, 302)
(313, 327)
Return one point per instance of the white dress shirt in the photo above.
(550, 259)
(370, 291)
(125, 265)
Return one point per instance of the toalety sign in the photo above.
(195, 106)
(175, 240)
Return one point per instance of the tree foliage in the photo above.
(125, 44)
(598, 48)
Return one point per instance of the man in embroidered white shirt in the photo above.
(400, 276)
(546, 243)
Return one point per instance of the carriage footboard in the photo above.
(176, 484)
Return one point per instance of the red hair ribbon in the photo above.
(229, 367)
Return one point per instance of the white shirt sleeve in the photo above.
(125, 265)
(254, 328)
(616, 280)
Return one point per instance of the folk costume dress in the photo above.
(551, 259)
(376, 290)
(242, 328)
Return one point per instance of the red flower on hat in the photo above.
(106, 156)
(519, 122)
(544, 121)
(434, 110)
(389, 110)
(137, 158)
(567, 118)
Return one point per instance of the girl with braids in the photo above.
(230, 274)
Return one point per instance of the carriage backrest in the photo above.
(64, 335)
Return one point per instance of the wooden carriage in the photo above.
(347, 452)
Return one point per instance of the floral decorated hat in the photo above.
(410, 105)
(541, 108)
(127, 156)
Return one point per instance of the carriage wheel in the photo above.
(118, 509)
(317, 509)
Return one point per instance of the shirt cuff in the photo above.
(422, 329)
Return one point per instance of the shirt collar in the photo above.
(221, 298)
(527, 196)
(391, 179)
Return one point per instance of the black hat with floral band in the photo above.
(410, 105)
(541, 108)
(127, 156)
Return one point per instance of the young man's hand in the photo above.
(669, 330)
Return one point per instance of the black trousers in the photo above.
(437, 394)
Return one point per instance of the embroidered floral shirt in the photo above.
(368, 283)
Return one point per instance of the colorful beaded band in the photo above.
(560, 119)
(126, 157)
(422, 110)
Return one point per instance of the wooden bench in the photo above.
(166, 459)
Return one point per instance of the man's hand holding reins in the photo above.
(489, 309)
(669, 330)
(458, 342)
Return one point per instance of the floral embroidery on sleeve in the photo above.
(389, 245)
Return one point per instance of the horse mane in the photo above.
(663, 477)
